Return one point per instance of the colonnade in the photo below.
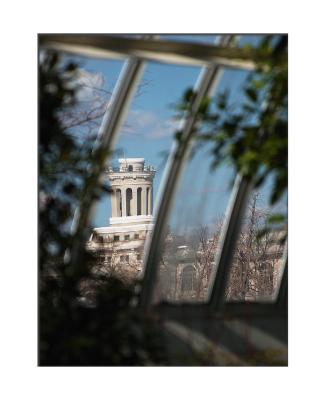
(132, 201)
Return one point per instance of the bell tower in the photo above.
(132, 192)
(120, 245)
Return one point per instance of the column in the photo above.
(119, 202)
(134, 201)
(143, 200)
(150, 201)
(138, 200)
(124, 202)
(114, 203)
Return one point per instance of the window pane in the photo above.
(198, 213)
(96, 79)
(138, 163)
(258, 259)
(193, 232)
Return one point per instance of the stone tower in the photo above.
(122, 242)
(132, 197)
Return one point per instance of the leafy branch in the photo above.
(252, 136)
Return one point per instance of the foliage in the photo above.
(253, 135)
(110, 333)
(70, 331)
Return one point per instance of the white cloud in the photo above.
(89, 83)
(148, 125)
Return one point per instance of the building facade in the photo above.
(120, 245)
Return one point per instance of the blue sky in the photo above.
(149, 130)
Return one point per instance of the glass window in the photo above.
(258, 258)
(148, 133)
(194, 229)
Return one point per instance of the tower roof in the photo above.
(131, 160)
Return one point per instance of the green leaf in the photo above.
(188, 95)
(258, 84)
(252, 94)
(276, 219)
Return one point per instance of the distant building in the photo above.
(120, 245)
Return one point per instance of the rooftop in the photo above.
(131, 165)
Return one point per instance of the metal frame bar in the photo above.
(113, 46)
(230, 232)
(122, 95)
(206, 83)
